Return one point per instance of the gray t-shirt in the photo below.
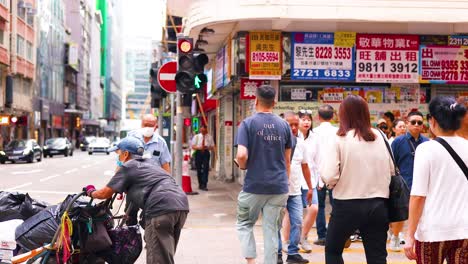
(149, 188)
(266, 137)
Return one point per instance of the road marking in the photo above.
(46, 192)
(219, 215)
(25, 172)
(85, 166)
(50, 177)
(109, 173)
(19, 186)
(71, 171)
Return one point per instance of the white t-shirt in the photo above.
(310, 146)
(296, 168)
(325, 135)
(438, 177)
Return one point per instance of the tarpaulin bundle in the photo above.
(18, 206)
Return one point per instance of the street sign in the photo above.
(166, 76)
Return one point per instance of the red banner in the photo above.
(249, 88)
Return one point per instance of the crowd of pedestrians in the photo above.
(292, 167)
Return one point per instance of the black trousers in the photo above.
(202, 161)
(370, 216)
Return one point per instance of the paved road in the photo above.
(209, 236)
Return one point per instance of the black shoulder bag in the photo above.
(454, 155)
(398, 200)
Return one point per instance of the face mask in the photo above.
(148, 131)
(119, 163)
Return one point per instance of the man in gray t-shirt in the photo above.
(263, 149)
(153, 190)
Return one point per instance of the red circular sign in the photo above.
(166, 76)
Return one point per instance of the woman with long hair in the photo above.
(358, 168)
(306, 132)
(438, 218)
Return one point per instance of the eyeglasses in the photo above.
(302, 111)
(414, 122)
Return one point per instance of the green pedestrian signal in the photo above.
(200, 80)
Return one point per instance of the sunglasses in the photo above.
(414, 122)
(302, 111)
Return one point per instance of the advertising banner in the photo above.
(320, 56)
(444, 64)
(265, 55)
(219, 69)
(249, 88)
(387, 58)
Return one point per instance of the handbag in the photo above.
(127, 245)
(398, 200)
(454, 155)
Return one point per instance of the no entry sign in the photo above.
(166, 76)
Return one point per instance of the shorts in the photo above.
(304, 197)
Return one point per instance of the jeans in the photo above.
(162, 235)
(321, 222)
(295, 211)
(370, 216)
(249, 207)
(202, 161)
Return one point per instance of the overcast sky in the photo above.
(143, 18)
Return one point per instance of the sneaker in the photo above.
(353, 238)
(280, 259)
(359, 238)
(296, 259)
(305, 246)
(401, 236)
(348, 243)
(285, 246)
(320, 242)
(395, 244)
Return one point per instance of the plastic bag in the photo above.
(7, 234)
(18, 206)
(127, 245)
(38, 230)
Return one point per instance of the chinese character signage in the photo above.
(265, 55)
(249, 88)
(315, 56)
(387, 58)
(444, 64)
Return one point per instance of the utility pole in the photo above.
(179, 133)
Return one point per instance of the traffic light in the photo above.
(190, 76)
(157, 93)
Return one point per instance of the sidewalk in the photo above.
(209, 235)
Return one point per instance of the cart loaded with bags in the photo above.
(77, 231)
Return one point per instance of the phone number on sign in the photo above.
(265, 56)
(324, 73)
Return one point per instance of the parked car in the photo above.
(21, 150)
(58, 146)
(99, 145)
(84, 145)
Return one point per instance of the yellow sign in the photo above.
(345, 39)
(265, 55)
(4, 120)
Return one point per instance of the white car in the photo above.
(99, 145)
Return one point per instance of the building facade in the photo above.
(396, 56)
(138, 63)
(4, 68)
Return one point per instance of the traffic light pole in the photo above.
(179, 134)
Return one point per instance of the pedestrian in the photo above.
(156, 151)
(358, 168)
(404, 148)
(324, 136)
(155, 146)
(294, 206)
(382, 125)
(389, 118)
(399, 129)
(203, 143)
(463, 130)
(153, 190)
(311, 208)
(264, 143)
(438, 210)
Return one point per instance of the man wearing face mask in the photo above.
(155, 146)
(153, 190)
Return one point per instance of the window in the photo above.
(29, 51)
(20, 45)
(22, 13)
(3, 2)
(2, 36)
(30, 20)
